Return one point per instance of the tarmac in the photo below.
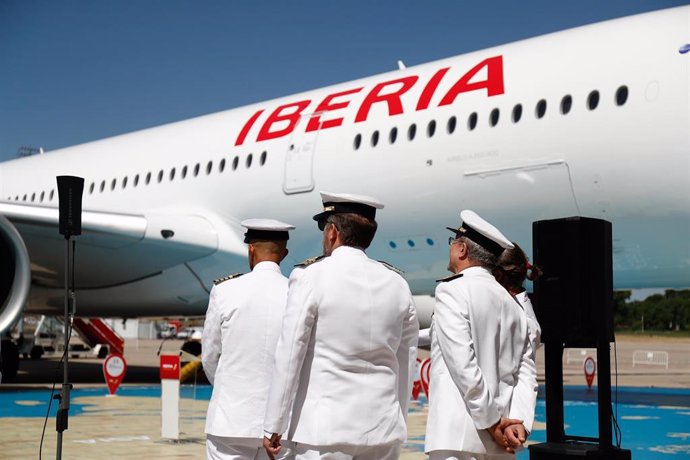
(128, 425)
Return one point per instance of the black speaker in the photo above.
(574, 296)
(70, 189)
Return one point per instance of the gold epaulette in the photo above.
(391, 267)
(309, 261)
(225, 278)
(449, 278)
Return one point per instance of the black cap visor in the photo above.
(470, 233)
(265, 235)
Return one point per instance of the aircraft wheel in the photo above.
(36, 352)
(10, 360)
(193, 348)
(102, 352)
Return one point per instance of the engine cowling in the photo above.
(15, 274)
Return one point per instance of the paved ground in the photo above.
(129, 426)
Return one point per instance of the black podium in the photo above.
(574, 305)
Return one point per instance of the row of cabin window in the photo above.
(147, 180)
(566, 105)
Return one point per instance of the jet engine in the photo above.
(15, 275)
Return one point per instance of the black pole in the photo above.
(604, 394)
(553, 356)
(62, 417)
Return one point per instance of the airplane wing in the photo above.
(114, 248)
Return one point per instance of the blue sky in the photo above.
(75, 71)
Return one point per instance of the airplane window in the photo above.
(621, 95)
(410, 243)
(393, 135)
(52, 193)
(113, 183)
(235, 162)
(136, 180)
(102, 186)
(124, 182)
(392, 244)
(493, 117)
(91, 188)
(431, 128)
(33, 197)
(472, 121)
(183, 173)
(358, 141)
(148, 178)
(249, 160)
(221, 166)
(160, 176)
(172, 174)
(540, 110)
(593, 100)
(263, 158)
(196, 169)
(566, 104)
(374, 138)
(209, 167)
(24, 199)
(452, 121)
(43, 195)
(517, 113)
(412, 131)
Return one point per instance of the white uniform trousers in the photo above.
(457, 455)
(223, 448)
(346, 452)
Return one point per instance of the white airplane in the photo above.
(593, 121)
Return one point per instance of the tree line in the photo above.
(669, 311)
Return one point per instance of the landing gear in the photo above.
(10, 360)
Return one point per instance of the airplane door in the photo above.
(299, 159)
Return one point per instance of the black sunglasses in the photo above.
(322, 224)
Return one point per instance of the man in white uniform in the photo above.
(243, 322)
(483, 385)
(346, 347)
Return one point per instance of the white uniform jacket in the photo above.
(344, 355)
(532, 323)
(241, 330)
(481, 364)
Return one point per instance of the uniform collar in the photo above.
(266, 265)
(347, 250)
(476, 271)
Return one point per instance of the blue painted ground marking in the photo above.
(655, 422)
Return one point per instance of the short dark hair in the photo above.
(355, 230)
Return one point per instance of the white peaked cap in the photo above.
(266, 229)
(481, 232)
(328, 197)
(339, 203)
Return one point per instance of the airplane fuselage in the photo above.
(593, 122)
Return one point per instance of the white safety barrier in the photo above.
(578, 355)
(653, 358)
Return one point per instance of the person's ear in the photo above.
(463, 249)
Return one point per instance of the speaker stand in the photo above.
(62, 417)
(558, 444)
